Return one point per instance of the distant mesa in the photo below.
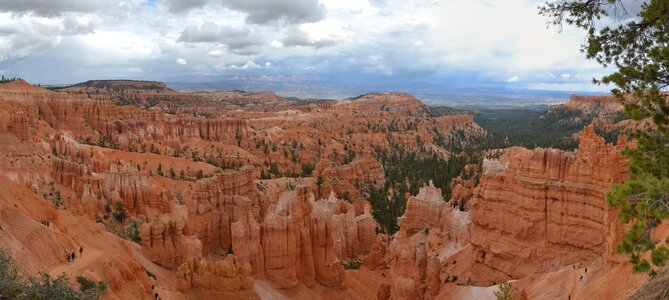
(116, 85)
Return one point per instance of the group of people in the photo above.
(45, 222)
(155, 294)
(70, 256)
(586, 272)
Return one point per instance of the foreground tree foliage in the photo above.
(44, 287)
(638, 48)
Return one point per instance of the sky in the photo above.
(294, 45)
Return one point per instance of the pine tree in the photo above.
(638, 48)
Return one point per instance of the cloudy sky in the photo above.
(381, 43)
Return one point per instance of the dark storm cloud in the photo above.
(236, 40)
(53, 7)
(177, 6)
(262, 11)
(292, 11)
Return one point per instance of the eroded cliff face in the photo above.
(222, 279)
(536, 214)
(306, 240)
(538, 210)
(165, 242)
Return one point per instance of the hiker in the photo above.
(81, 251)
(155, 296)
(68, 258)
(581, 278)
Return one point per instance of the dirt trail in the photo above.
(90, 256)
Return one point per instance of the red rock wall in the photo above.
(423, 210)
(221, 279)
(165, 242)
(219, 202)
(535, 210)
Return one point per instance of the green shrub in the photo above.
(150, 274)
(353, 264)
(14, 286)
(307, 170)
(119, 214)
(507, 292)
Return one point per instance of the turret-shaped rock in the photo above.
(423, 210)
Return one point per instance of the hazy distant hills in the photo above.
(431, 94)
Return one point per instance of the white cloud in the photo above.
(215, 53)
(318, 35)
(565, 75)
(182, 61)
(248, 65)
(276, 44)
(105, 47)
(513, 78)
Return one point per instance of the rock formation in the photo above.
(164, 242)
(299, 246)
(354, 235)
(536, 210)
(423, 210)
(415, 271)
(223, 279)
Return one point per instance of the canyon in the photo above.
(236, 195)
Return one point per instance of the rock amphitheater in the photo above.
(189, 176)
